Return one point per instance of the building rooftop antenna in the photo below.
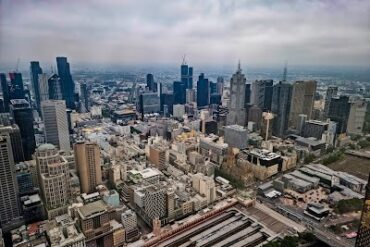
(285, 71)
(184, 59)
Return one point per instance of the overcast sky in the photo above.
(260, 33)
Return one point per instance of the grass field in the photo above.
(356, 166)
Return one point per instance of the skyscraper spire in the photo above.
(239, 67)
(285, 71)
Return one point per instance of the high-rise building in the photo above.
(187, 75)
(53, 175)
(237, 111)
(84, 98)
(280, 107)
(150, 83)
(5, 90)
(247, 100)
(16, 141)
(167, 100)
(23, 117)
(16, 90)
(67, 85)
(255, 115)
(330, 93)
(87, 159)
(203, 93)
(35, 71)
(262, 94)
(55, 87)
(179, 92)
(363, 234)
(157, 155)
(236, 136)
(339, 109)
(149, 102)
(43, 87)
(220, 85)
(303, 97)
(9, 204)
(56, 124)
(356, 118)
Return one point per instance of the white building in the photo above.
(56, 123)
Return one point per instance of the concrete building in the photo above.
(330, 93)
(178, 111)
(149, 102)
(236, 136)
(314, 128)
(44, 87)
(94, 222)
(9, 204)
(237, 111)
(54, 180)
(357, 114)
(16, 141)
(88, 164)
(302, 101)
(129, 222)
(255, 115)
(262, 94)
(205, 186)
(54, 114)
(157, 155)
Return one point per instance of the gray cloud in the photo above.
(209, 32)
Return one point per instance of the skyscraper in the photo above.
(55, 87)
(330, 93)
(16, 141)
(303, 97)
(203, 93)
(87, 159)
(23, 117)
(9, 205)
(84, 98)
(356, 118)
(68, 86)
(5, 90)
(363, 234)
(339, 109)
(237, 111)
(35, 71)
(262, 94)
(187, 75)
(43, 85)
(16, 90)
(53, 175)
(179, 92)
(150, 83)
(281, 99)
(54, 113)
(247, 100)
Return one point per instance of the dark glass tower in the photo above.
(247, 95)
(281, 98)
(35, 71)
(68, 86)
(55, 87)
(363, 234)
(84, 98)
(203, 89)
(23, 117)
(5, 90)
(187, 76)
(179, 92)
(150, 83)
(16, 90)
(339, 112)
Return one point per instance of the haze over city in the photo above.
(160, 32)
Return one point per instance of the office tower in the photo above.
(330, 93)
(302, 101)
(167, 100)
(16, 90)
(5, 90)
(363, 234)
(302, 118)
(87, 159)
(280, 107)
(203, 93)
(2, 109)
(187, 75)
(190, 96)
(150, 83)
(56, 124)
(23, 117)
(9, 204)
(356, 118)
(35, 71)
(53, 175)
(247, 100)
(149, 102)
(220, 85)
(237, 112)
(314, 128)
(212, 87)
(262, 94)
(215, 99)
(55, 87)
(255, 115)
(84, 98)
(179, 92)
(16, 141)
(339, 109)
(67, 85)
(157, 155)
(236, 136)
(43, 87)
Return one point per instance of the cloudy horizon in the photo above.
(155, 32)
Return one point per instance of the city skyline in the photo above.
(260, 33)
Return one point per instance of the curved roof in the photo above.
(46, 146)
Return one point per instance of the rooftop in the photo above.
(94, 208)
